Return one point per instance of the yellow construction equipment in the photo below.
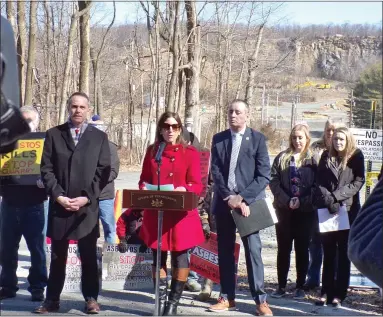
(312, 84)
(323, 86)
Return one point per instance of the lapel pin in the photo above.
(247, 138)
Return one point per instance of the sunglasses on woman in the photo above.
(167, 126)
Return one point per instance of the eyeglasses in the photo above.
(167, 126)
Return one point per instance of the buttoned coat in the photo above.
(181, 167)
(252, 172)
(74, 171)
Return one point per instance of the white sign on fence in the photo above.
(370, 142)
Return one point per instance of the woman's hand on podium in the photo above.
(180, 189)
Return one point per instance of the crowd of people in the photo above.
(78, 168)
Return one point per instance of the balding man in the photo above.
(240, 167)
(22, 212)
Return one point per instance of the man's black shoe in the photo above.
(4, 294)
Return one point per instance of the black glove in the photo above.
(142, 248)
(122, 246)
(334, 208)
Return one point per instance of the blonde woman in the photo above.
(340, 178)
(315, 248)
(293, 184)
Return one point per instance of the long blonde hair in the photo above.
(290, 151)
(350, 146)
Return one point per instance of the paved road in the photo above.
(141, 303)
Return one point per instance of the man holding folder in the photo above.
(240, 168)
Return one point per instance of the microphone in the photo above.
(161, 148)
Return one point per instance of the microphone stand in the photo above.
(159, 245)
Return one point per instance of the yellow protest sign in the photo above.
(25, 159)
(371, 178)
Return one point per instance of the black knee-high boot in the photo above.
(163, 287)
(179, 278)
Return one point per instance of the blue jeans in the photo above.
(28, 222)
(316, 258)
(107, 219)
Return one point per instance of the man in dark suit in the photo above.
(240, 168)
(75, 167)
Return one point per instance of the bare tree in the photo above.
(69, 58)
(31, 53)
(21, 40)
(97, 94)
(192, 70)
(11, 16)
(172, 91)
(85, 45)
(48, 98)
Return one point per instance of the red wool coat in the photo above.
(181, 167)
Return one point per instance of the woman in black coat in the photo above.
(339, 179)
(293, 186)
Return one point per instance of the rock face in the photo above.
(336, 56)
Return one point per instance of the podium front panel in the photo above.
(159, 200)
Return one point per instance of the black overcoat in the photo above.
(74, 171)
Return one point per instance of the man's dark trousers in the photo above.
(226, 233)
(27, 221)
(89, 270)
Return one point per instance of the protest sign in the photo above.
(22, 166)
(371, 179)
(129, 270)
(370, 142)
(73, 266)
(204, 258)
(205, 165)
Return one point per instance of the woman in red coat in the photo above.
(182, 230)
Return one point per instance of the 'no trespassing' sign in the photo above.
(370, 142)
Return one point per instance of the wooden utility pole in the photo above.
(276, 113)
(372, 126)
(267, 109)
(352, 101)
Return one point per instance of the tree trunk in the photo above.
(21, 40)
(31, 53)
(85, 45)
(175, 59)
(251, 69)
(158, 44)
(68, 62)
(192, 73)
(11, 16)
(48, 98)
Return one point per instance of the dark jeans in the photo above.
(89, 270)
(28, 222)
(293, 226)
(336, 265)
(252, 245)
(316, 257)
(179, 259)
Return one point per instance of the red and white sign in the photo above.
(205, 166)
(204, 259)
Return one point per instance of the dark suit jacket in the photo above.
(252, 172)
(74, 171)
(109, 191)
